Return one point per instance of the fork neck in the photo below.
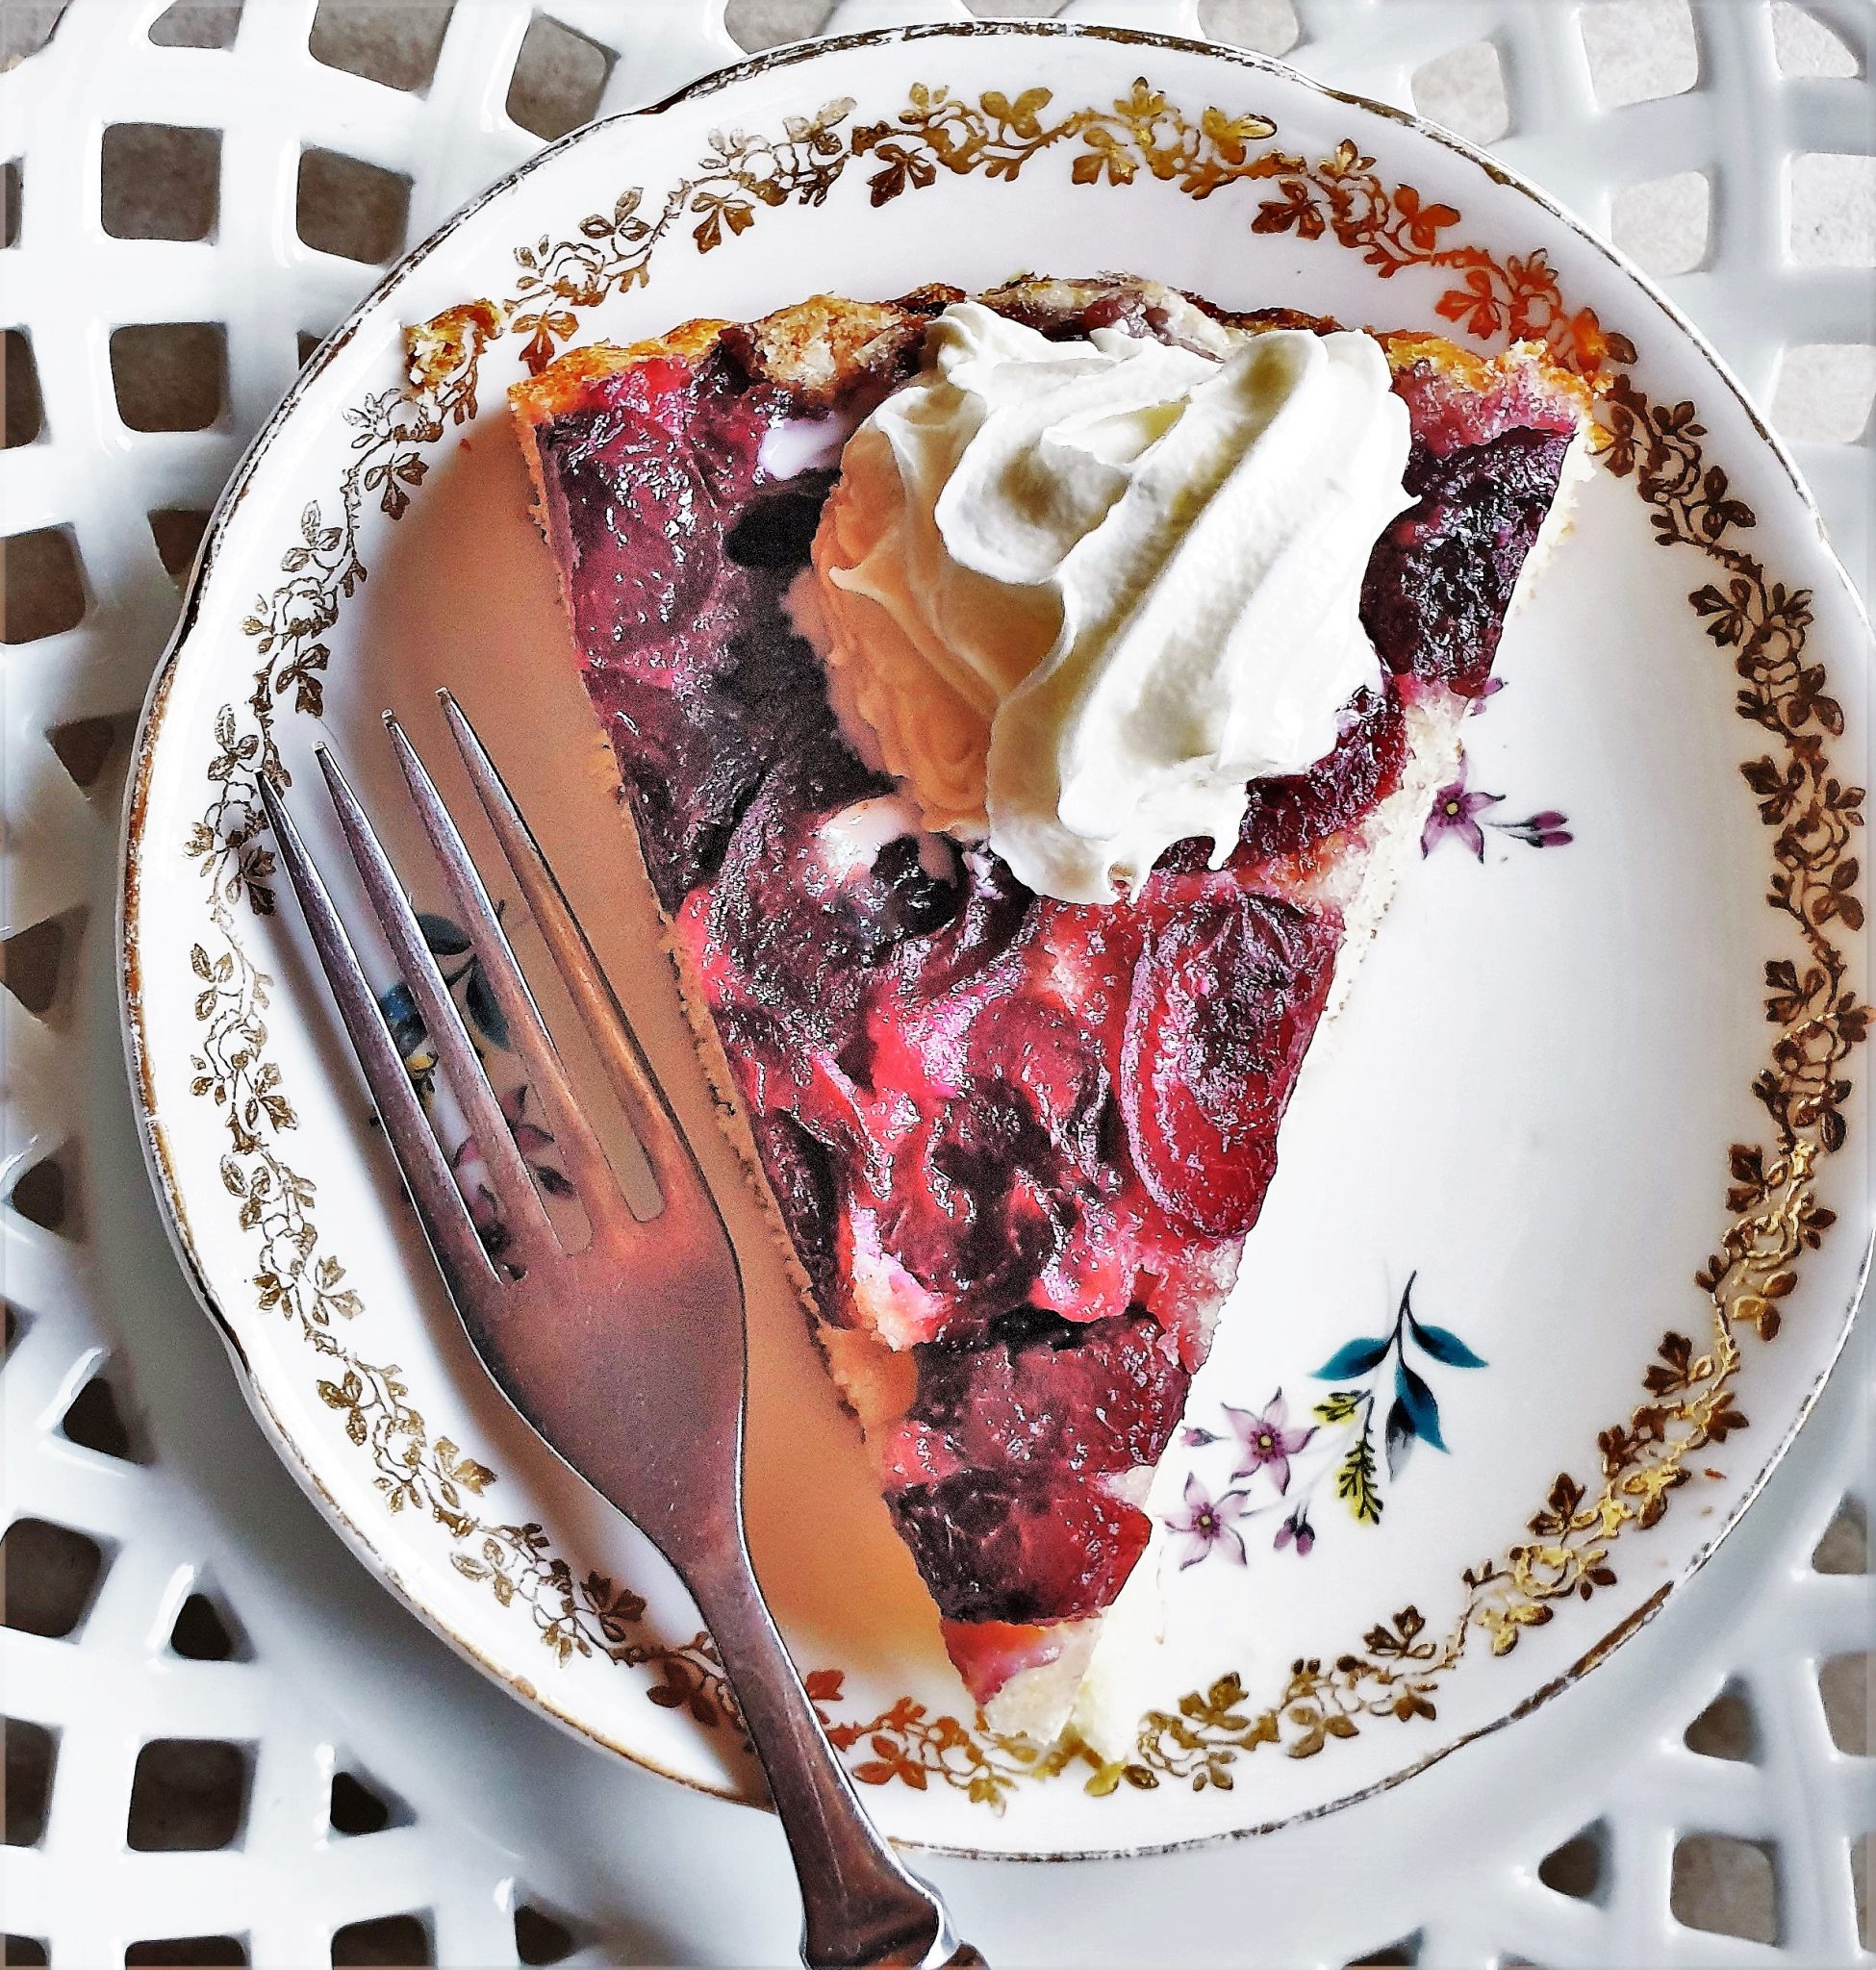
(861, 1906)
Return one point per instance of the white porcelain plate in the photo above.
(1593, 1096)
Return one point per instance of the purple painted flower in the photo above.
(536, 1146)
(485, 1214)
(1206, 1521)
(1296, 1530)
(1548, 829)
(1456, 812)
(1266, 1444)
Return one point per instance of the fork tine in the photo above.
(439, 1205)
(522, 1213)
(664, 1142)
(586, 1164)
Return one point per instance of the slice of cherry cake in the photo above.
(1015, 1144)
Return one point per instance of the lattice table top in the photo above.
(224, 1743)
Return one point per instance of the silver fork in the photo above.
(627, 1356)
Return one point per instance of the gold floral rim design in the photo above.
(1811, 1007)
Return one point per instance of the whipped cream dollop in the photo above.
(1079, 595)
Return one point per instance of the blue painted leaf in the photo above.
(447, 939)
(1443, 1345)
(1400, 1438)
(406, 1023)
(1423, 1412)
(483, 1009)
(1356, 1357)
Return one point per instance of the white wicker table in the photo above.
(472, 1832)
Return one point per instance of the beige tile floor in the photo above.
(161, 183)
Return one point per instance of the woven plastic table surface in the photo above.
(224, 1742)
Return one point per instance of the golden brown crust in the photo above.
(1255, 320)
(1570, 393)
(821, 346)
(560, 385)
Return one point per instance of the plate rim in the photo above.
(127, 959)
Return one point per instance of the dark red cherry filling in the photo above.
(1018, 1549)
(1284, 819)
(1020, 1137)
(1041, 1396)
(1440, 579)
(1225, 995)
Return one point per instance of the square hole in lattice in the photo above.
(197, 24)
(1726, 1728)
(46, 1193)
(33, 963)
(41, 590)
(359, 1805)
(541, 1939)
(160, 180)
(187, 1952)
(1844, 1547)
(30, 1759)
(1575, 1868)
(348, 207)
(1862, 1851)
(1823, 396)
(23, 1950)
(25, 28)
(1639, 49)
(16, 1326)
(396, 45)
(9, 203)
(1725, 1886)
(757, 24)
(19, 390)
(1844, 1685)
(1395, 1956)
(169, 375)
(205, 1631)
(385, 1939)
(51, 1574)
(1832, 210)
(1268, 26)
(1663, 225)
(1805, 46)
(559, 78)
(307, 343)
(1465, 92)
(177, 531)
(188, 1795)
(94, 751)
(99, 1420)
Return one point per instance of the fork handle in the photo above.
(862, 1907)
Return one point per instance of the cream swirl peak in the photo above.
(1079, 595)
